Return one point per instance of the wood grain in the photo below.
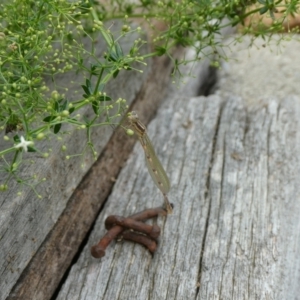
(235, 230)
(128, 271)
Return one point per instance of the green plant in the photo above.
(41, 40)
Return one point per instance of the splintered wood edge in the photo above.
(43, 274)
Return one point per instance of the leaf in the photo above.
(104, 98)
(88, 84)
(112, 56)
(86, 120)
(127, 67)
(86, 89)
(17, 139)
(71, 110)
(57, 128)
(94, 69)
(64, 105)
(119, 50)
(56, 105)
(115, 74)
(31, 149)
(95, 106)
(263, 10)
(115, 53)
(101, 87)
(49, 119)
(161, 50)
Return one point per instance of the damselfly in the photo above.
(155, 168)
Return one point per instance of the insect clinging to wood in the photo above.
(155, 167)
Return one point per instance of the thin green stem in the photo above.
(6, 151)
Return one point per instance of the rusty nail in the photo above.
(98, 250)
(141, 239)
(152, 230)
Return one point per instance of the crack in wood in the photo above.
(209, 85)
(207, 197)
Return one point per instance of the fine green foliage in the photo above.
(40, 41)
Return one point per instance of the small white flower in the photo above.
(23, 144)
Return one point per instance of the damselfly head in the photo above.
(136, 124)
(133, 116)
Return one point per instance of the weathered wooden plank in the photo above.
(235, 229)
(25, 220)
(265, 69)
(253, 227)
(128, 271)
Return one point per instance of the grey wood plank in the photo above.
(128, 271)
(257, 70)
(25, 220)
(253, 226)
(235, 229)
